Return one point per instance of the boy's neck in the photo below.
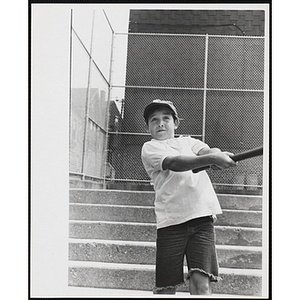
(169, 138)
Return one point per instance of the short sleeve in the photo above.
(196, 145)
(153, 155)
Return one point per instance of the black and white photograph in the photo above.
(168, 142)
(153, 122)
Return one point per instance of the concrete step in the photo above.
(80, 292)
(141, 277)
(146, 198)
(112, 241)
(111, 197)
(146, 214)
(132, 231)
(144, 253)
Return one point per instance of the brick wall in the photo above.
(251, 22)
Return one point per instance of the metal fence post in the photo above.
(108, 99)
(205, 87)
(87, 105)
(70, 81)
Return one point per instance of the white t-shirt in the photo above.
(179, 196)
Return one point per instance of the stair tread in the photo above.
(108, 292)
(154, 225)
(151, 207)
(114, 191)
(114, 205)
(151, 192)
(92, 264)
(152, 244)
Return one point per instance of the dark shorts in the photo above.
(196, 240)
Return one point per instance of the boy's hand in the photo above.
(222, 160)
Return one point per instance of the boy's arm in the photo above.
(207, 150)
(205, 157)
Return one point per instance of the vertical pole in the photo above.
(205, 87)
(108, 99)
(70, 83)
(87, 105)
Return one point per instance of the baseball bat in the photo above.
(237, 157)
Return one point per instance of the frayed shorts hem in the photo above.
(212, 277)
(156, 290)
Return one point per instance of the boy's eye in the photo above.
(153, 120)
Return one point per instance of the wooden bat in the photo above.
(237, 157)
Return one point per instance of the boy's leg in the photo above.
(201, 256)
(200, 284)
(170, 247)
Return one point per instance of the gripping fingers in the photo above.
(228, 153)
(225, 161)
(233, 162)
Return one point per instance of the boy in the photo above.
(185, 203)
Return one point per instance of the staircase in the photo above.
(112, 241)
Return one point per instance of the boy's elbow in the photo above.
(168, 163)
(173, 164)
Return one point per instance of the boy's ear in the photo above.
(146, 127)
(176, 122)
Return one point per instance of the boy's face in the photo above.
(161, 124)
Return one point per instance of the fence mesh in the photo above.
(235, 63)
(215, 82)
(165, 61)
(89, 103)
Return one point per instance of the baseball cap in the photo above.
(159, 103)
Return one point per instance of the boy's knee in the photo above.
(204, 288)
(200, 284)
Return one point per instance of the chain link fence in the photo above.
(215, 82)
(90, 52)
